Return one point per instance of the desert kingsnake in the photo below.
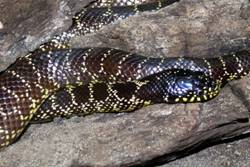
(57, 81)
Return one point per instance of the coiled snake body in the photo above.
(57, 81)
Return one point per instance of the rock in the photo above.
(31, 23)
(228, 154)
(153, 135)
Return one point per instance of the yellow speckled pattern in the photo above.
(168, 86)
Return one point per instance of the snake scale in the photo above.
(55, 80)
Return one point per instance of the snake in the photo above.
(56, 80)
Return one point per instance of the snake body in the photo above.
(164, 87)
(101, 13)
(103, 79)
(116, 66)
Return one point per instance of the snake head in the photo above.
(182, 86)
(187, 86)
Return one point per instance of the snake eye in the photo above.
(185, 84)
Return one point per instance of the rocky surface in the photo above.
(152, 135)
(234, 154)
(24, 25)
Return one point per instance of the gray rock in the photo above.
(152, 135)
(26, 24)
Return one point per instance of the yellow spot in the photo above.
(7, 137)
(19, 131)
(198, 99)
(7, 143)
(13, 136)
(177, 100)
(46, 92)
(192, 99)
(140, 83)
(205, 97)
(147, 103)
(33, 105)
(21, 117)
(184, 99)
(31, 115)
(26, 118)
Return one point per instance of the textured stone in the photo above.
(26, 24)
(155, 134)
